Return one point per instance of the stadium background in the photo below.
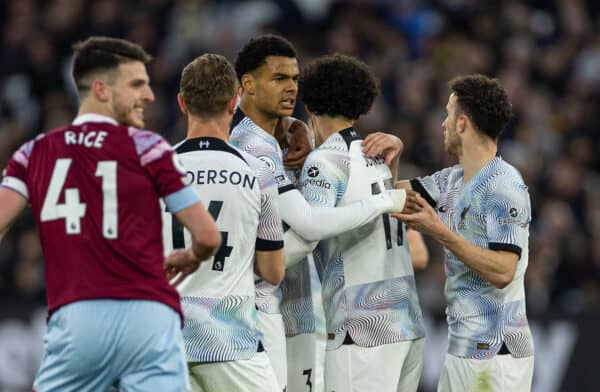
(547, 53)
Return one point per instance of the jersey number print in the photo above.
(72, 210)
(224, 251)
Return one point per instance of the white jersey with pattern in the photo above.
(491, 211)
(252, 139)
(218, 300)
(368, 286)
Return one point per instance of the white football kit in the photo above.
(307, 222)
(487, 327)
(223, 344)
(374, 323)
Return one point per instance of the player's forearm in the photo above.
(493, 266)
(418, 250)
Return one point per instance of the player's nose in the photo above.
(148, 94)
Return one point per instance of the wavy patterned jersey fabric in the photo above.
(293, 299)
(491, 211)
(252, 139)
(218, 300)
(368, 290)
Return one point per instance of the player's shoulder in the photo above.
(247, 134)
(144, 139)
(506, 177)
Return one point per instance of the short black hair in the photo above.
(338, 85)
(484, 101)
(103, 54)
(255, 52)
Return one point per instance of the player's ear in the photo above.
(100, 90)
(462, 122)
(232, 103)
(248, 83)
(181, 103)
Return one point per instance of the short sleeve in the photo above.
(430, 187)
(324, 178)
(158, 159)
(265, 148)
(14, 176)
(507, 214)
(269, 235)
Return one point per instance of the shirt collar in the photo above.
(94, 117)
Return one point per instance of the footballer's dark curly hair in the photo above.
(338, 85)
(102, 55)
(484, 101)
(254, 53)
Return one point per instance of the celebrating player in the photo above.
(223, 344)
(374, 324)
(481, 216)
(267, 69)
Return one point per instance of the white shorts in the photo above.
(392, 367)
(273, 330)
(306, 363)
(249, 375)
(502, 373)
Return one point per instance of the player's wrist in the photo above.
(390, 201)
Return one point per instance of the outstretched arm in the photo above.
(496, 266)
(315, 223)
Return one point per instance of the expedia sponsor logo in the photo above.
(320, 182)
(312, 171)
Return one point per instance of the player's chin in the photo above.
(285, 112)
(136, 121)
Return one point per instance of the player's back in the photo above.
(94, 191)
(368, 281)
(218, 300)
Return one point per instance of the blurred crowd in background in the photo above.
(546, 53)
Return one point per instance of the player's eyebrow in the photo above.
(138, 82)
(281, 75)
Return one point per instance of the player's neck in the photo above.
(217, 127)
(266, 122)
(327, 126)
(89, 106)
(475, 156)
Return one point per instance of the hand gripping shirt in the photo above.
(368, 284)
(493, 212)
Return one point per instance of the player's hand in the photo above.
(180, 263)
(299, 145)
(422, 218)
(412, 204)
(385, 144)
